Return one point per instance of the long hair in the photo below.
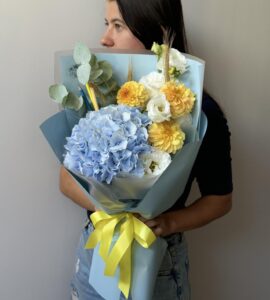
(147, 20)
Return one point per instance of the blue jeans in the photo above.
(172, 282)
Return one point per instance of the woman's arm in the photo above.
(71, 189)
(212, 170)
(201, 212)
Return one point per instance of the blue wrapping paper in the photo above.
(163, 194)
(145, 264)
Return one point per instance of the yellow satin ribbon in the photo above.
(131, 228)
(92, 95)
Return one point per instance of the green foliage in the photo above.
(58, 92)
(157, 49)
(87, 69)
(98, 73)
(108, 86)
(60, 95)
(95, 74)
(107, 71)
(81, 54)
(83, 73)
(71, 101)
(94, 62)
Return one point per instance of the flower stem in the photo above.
(130, 70)
(166, 50)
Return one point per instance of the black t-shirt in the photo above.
(212, 168)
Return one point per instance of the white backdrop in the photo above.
(39, 228)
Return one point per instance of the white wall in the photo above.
(230, 257)
(39, 228)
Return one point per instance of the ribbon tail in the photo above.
(93, 239)
(143, 234)
(107, 236)
(125, 273)
(121, 246)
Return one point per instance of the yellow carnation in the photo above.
(181, 98)
(133, 93)
(166, 136)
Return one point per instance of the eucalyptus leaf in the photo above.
(95, 74)
(83, 110)
(71, 101)
(107, 99)
(100, 80)
(107, 71)
(111, 99)
(94, 62)
(112, 85)
(108, 87)
(83, 73)
(81, 54)
(103, 88)
(58, 92)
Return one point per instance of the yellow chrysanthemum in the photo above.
(133, 93)
(181, 98)
(166, 136)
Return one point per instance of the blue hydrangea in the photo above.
(108, 142)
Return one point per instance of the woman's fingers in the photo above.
(151, 223)
(158, 231)
(154, 224)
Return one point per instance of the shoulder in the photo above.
(217, 122)
(213, 163)
(210, 107)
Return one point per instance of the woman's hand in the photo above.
(161, 225)
(200, 213)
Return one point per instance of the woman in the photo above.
(136, 24)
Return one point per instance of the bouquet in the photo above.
(131, 130)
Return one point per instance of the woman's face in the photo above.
(117, 34)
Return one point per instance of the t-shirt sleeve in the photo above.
(213, 170)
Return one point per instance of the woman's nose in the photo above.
(107, 40)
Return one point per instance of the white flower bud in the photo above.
(177, 61)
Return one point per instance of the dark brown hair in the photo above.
(146, 18)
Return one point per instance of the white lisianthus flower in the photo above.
(153, 82)
(156, 162)
(177, 62)
(158, 109)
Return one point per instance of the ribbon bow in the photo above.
(131, 228)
